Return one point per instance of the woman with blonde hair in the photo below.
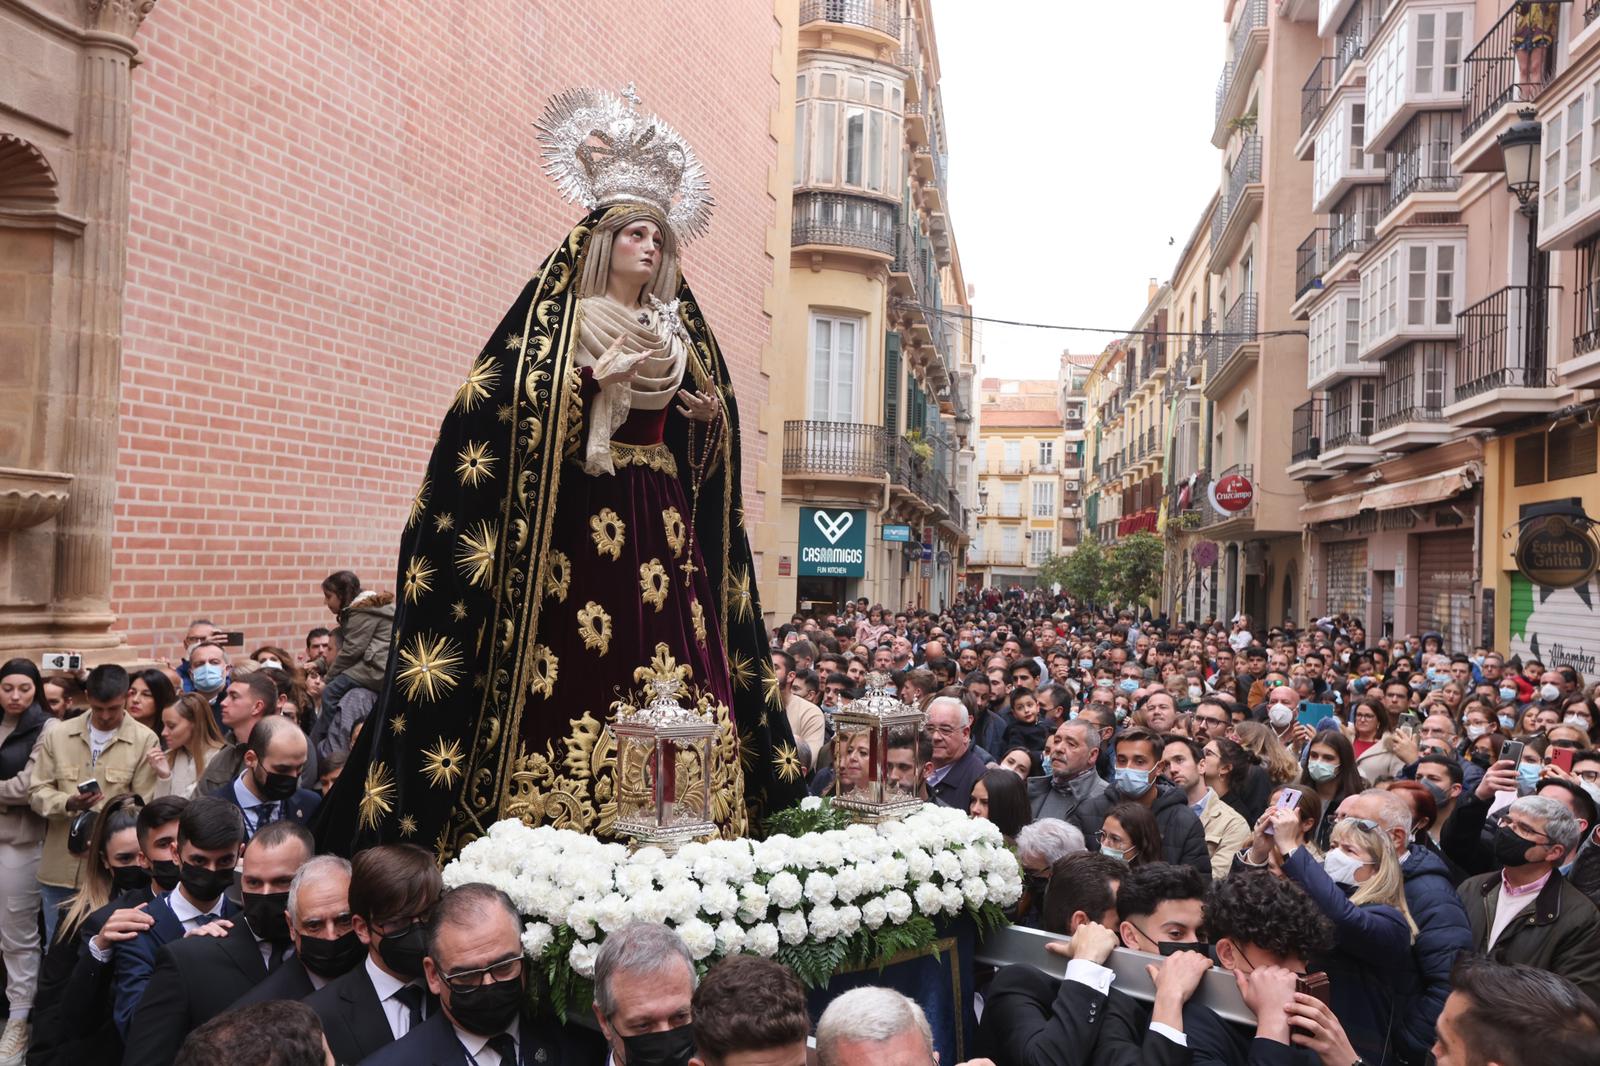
(1359, 886)
(1259, 740)
(192, 737)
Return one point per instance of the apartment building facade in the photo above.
(872, 375)
(1024, 464)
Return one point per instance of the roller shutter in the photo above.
(1446, 589)
(1559, 627)
(1346, 577)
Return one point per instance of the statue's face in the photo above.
(635, 253)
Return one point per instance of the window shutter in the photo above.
(891, 382)
(1572, 451)
(1529, 460)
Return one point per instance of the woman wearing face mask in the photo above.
(1579, 712)
(111, 867)
(1359, 886)
(192, 737)
(1130, 833)
(23, 721)
(1330, 772)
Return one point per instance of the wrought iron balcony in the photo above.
(840, 220)
(1354, 221)
(1419, 160)
(1591, 12)
(1493, 78)
(1412, 387)
(1307, 431)
(1353, 35)
(883, 16)
(1310, 260)
(842, 449)
(1349, 414)
(1503, 342)
(1314, 94)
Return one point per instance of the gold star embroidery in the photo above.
(444, 523)
(786, 760)
(475, 554)
(408, 826)
(675, 533)
(739, 594)
(419, 503)
(697, 615)
(475, 463)
(458, 611)
(742, 669)
(769, 685)
(513, 341)
(432, 667)
(653, 583)
(609, 532)
(418, 579)
(594, 626)
(542, 666)
(397, 725)
(504, 414)
(442, 763)
(379, 798)
(481, 379)
(557, 575)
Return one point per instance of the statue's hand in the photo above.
(697, 406)
(614, 367)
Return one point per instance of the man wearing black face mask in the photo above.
(197, 978)
(644, 983)
(325, 942)
(210, 833)
(268, 788)
(393, 890)
(476, 969)
(1526, 912)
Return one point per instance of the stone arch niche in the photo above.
(63, 226)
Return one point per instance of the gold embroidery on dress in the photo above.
(739, 594)
(481, 380)
(542, 663)
(657, 457)
(675, 531)
(475, 551)
(557, 575)
(742, 669)
(379, 797)
(653, 583)
(609, 532)
(594, 626)
(697, 614)
(458, 611)
(419, 503)
(786, 761)
(442, 763)
(432, 667)
(418, 579)
(408, 826)
(444, 523)
(770, 690)
(475, 464)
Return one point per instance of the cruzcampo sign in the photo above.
(833, 543)
(1557, 552)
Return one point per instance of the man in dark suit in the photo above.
(393, 890)
(210, 832)
(956, 763)
(198, 977)
(1032, 1020)
(325, 943)
(1072, 791)
(267, 789)
(476, 968)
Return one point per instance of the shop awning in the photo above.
(1435, 488)
(1331, 509)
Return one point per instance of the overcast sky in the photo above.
(1080, 159)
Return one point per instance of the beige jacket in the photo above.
(1227, 833)
(62, 761)
(806, 723)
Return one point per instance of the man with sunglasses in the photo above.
(393, 890)
(476, 970)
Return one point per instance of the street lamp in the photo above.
(983, 499)
(1519, 146)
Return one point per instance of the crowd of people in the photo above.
(1391, 845)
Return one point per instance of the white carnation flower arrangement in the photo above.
(816, 901)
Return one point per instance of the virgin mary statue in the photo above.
(578, 532)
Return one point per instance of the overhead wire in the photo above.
(1121, 332)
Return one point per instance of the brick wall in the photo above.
(329, 213)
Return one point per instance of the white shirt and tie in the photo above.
(480, 1052)
(396, 1011)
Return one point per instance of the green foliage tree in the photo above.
(1135, 567)
(1082, 574)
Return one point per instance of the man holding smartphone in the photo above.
(81, 764)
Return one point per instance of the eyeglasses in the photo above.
(340, 923)
(507, 969)
(399, 926)
(945, 730)
(1522, 830)
(1364, 823)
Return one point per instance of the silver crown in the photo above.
(600, 149)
